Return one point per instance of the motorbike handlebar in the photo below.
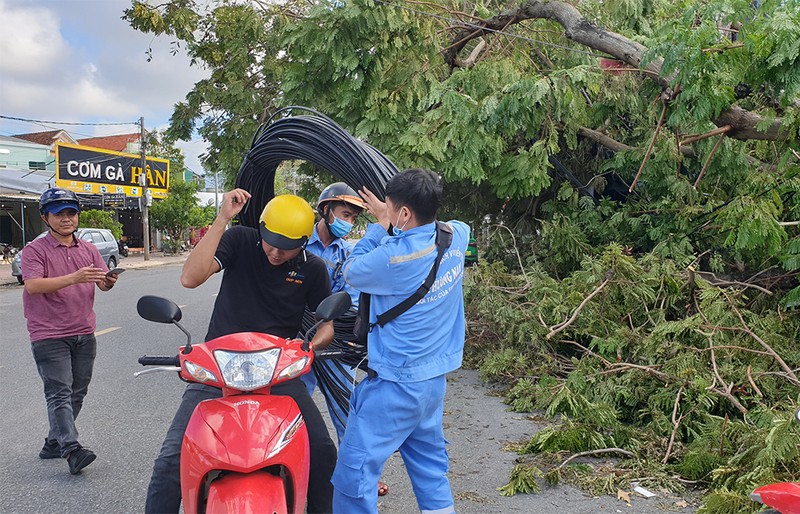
(328, 354)
(159, 360)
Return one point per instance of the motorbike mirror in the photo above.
(160, 310)
(333, 306)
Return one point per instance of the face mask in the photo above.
(339, 228)
(396, 231)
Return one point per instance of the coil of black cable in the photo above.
(313, 138)
(352, 353)
(317, 139)
(341, 353)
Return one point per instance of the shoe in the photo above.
(79, 459)
(50, 450)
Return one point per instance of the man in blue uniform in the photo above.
(338, 207)
(400, 406)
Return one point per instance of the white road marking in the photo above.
(106, 331)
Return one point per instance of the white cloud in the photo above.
(87, 97)
(78, 61)
(31, 42)
(191, 152)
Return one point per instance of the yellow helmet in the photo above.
(286, 222)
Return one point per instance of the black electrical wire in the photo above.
(342, 332)
(313, 138)
(319, 140)
(341, 354)
(333, 387)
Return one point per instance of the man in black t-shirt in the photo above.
(268, 280)
(258, 296)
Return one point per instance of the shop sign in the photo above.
(90, 170)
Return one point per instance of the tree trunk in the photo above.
(580, 30)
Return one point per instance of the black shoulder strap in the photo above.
(444, 236)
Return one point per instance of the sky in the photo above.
(77, 61)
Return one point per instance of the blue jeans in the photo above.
(164, 491)
(65, 366)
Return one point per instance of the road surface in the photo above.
(125, 418)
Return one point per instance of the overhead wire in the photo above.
(67, 122)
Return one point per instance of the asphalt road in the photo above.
(124, 420)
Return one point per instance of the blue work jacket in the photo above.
(334, 256)
(427, 340)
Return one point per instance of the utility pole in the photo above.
(143, 183)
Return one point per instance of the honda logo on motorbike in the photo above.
(245, 402)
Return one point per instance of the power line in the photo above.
(66, 122)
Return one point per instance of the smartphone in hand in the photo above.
(115, 272)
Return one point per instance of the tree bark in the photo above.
(580, 30)
(613, 144)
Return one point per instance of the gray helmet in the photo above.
(339, 192)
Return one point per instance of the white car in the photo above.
(100, 237)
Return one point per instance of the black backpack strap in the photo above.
(444, 236)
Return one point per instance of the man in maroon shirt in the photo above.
(60, 273)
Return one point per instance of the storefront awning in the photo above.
(14, 181)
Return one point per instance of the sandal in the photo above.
(383, 489)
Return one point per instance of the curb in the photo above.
(134, 261)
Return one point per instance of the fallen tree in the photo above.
(688, 383)
(630, 170)
(742, 123)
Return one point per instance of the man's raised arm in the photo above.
(201, 263)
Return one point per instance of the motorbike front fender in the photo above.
(243, 434)
(783, 496)
(252, 493)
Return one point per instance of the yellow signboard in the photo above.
(90, 170)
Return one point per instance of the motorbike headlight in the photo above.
(199, 373)
(247, 371)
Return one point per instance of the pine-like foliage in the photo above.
(696, 380)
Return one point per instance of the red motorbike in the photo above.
(248, 451)
(782, 497)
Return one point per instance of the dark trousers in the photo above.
(65, 366)
(164, 491)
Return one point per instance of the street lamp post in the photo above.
(143, 183)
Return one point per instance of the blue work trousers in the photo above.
(65, 366)
(388, 416)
